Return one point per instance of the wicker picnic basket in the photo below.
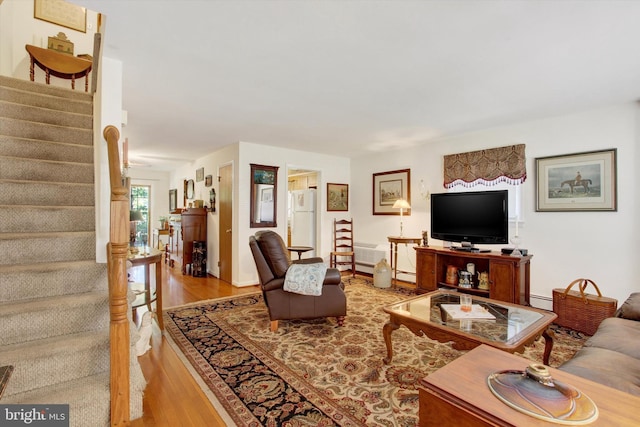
(581, 311)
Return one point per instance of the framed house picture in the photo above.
(173, 200)
(389, 187)
(337, 197)
(577, 182)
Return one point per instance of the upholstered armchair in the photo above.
(272, 261)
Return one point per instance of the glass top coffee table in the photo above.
(502, 325)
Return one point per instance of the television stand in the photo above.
(508, 275)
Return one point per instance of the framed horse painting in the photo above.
(577, 182)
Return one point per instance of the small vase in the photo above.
(382, 274)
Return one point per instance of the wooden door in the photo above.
(225, 191)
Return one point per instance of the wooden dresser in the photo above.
(192, 227)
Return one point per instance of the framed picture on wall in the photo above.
(208, 180)
(173, 200)
(389, 187)
(337, 197)
(577, 182)
(199, 174)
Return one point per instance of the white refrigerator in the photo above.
(302, 219)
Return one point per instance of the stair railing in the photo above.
(117, 271)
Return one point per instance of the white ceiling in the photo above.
(352, 77)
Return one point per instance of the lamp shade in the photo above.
(135, 216)
(401, 204)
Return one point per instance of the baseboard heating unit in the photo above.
(367, 256)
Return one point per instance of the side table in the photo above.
(153, 257)
(61, 65)
(299, 249)
(393, 243)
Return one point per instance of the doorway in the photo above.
(303, 210)
(225, 225)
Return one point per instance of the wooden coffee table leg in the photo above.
(386, 333)
(548, 345)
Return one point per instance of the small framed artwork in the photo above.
(208, 180)
(199, 174)
(173, 199)
(389, 187)
(337, 197)
(577, 182)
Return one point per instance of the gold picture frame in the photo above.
(61, 13)
(337, 197)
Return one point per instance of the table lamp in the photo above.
(401, 204)
(134, 217)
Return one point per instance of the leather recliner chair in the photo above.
(272, 261)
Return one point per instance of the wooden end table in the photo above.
(61, 65)
(393, 252)
(299, 249)
(148, 296)
(459, 391)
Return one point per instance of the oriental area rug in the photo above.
(315, 373)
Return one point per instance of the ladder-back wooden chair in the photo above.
(343, 253)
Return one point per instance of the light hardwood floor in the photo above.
(172, 397)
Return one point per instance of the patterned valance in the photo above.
(503, 164)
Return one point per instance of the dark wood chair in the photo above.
(343, 253)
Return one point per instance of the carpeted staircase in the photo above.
(54, 304)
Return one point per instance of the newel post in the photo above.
(117, 268)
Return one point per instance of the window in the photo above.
(140, 202)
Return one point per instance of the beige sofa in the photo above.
(612, 355)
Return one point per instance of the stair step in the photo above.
(40, 318)
(45, 101)
(61, 359)
(88, 399)
(16, 192)
(34, 248)
(22, 282)
(30, 219)
(45, 132)
(13, 146)
(16, 168)
(45, 115)
(42, 90)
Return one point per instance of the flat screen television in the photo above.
(480, 217)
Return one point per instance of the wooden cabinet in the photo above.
(508, 276)
(192, 227)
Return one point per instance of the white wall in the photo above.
(564, 245)
(107, 108)
(211, 163)
(331, 169)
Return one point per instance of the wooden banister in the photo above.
(117, 272)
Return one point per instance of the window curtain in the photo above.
(488, 167)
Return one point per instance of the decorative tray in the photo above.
(535, 393)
